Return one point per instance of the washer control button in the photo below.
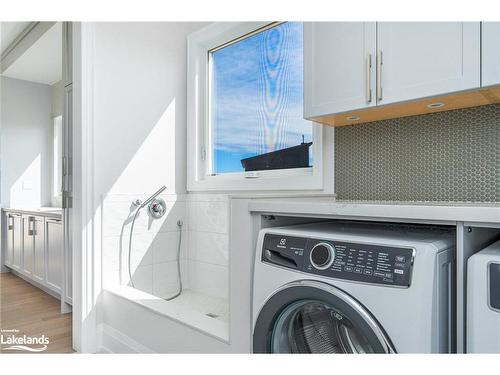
(322, 255)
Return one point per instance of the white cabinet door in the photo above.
(17, 242)
(337, 72)
(39, 249)
(490, 53)
(421, 59)
(28, 244)
(9, 243)
(54, 253)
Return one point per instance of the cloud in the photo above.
(257, 93)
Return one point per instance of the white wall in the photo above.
(25, 137)
(57, 99)
(140, 107)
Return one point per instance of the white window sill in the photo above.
(300, 179)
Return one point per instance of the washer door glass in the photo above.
(316, 327)
(308, 316)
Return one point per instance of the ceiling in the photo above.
(9, 31)
(42, 62)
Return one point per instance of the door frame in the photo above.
(86, 208)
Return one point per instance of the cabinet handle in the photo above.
(11, 222)
(379, 75)
(369, 78)
(31, 226)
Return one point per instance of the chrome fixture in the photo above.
(179, 275)
(141, 204)
(157, 208)
(369, 78)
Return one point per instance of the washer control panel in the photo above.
(373, 264)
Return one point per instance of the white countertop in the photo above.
(417, 211)
(41, 211)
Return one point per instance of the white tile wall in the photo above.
(143, 278)
(208, 216)
(165, 279)
(204, 250)
(165, 246)
(209, 247)
(208, 255)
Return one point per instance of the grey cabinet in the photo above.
(356, 65)
(17, 242)
(34, 247)
(421, 59)
(490, 50)
(339, 66)
(28, 244)
(54, 253)
(39, 249)
(9, 240)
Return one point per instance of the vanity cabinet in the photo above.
(17, 242)
(39, 249)
(28, 245)
(54, 253)
(33, 247)
(9, 240)
(352, 66)
(490, 49)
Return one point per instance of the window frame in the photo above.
(200, 45)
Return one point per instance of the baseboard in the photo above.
(111, 340)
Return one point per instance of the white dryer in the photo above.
(353, 288)
(483, 301)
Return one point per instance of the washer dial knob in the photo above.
(322, 255)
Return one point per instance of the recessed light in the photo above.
(435, 105)
(353, 118)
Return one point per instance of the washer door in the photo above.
(314, 317)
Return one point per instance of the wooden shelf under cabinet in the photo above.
(466, 99)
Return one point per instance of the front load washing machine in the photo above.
(343, 287)
(483, 301)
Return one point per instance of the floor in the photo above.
(33, 312)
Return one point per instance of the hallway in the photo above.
(33, 313)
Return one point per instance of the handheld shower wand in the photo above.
(157, 209)
(141, 204)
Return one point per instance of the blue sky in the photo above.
(257, 96)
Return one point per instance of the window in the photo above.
(245, 110)
(57, 158)
(256, 99)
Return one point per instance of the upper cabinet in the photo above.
(420, 59)
(490, 54)
(353, 68)
(339, 66)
